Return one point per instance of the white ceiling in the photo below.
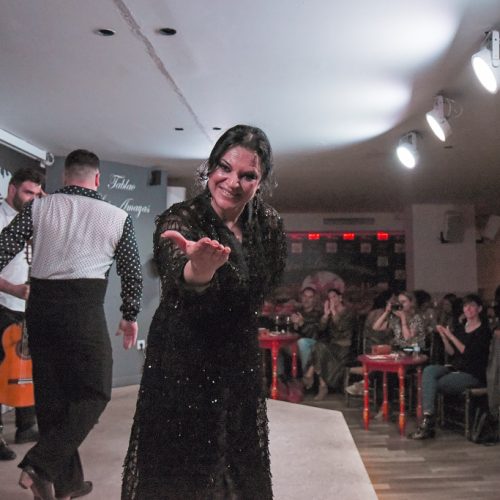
(333, 83)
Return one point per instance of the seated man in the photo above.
(305, 322)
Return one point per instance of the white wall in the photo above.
(440, 267)
(175, 195)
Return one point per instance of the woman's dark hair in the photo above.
(248, 137)
(421, 297)
(336, 290)
(450, 297)
(472, 297)
(380, 301)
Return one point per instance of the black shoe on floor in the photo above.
(84, 490)
(426, 430)
(27, 436)
(5, 452)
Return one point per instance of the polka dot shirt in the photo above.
(76, 234)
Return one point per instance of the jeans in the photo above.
(438, 378)
(305, 346)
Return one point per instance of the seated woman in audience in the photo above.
(445, 314)
(468, 349)
(401, 318)
(332, 352)
(382, 336)
(448, 312)
(404, 327)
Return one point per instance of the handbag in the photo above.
(484, 428)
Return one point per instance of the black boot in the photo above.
(5, 452)
(425, 429)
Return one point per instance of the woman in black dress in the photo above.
(200, 429)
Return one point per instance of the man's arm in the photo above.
(128, 267)
(20, 291)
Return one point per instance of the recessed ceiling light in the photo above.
(178, 129)
(104, 32)
(167, 31)
(216, 128)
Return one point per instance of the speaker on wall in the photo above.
(155, 178)
(492, 227)
(453, 227)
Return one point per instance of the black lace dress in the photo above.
(200, 430)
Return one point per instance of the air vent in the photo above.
(349, 221)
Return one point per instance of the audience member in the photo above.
(468, 348)
(401, 318)
(332, 352)
(305, 322)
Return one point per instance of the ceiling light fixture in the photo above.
(486, 62)
(26, 148)
(407, 150)
(438, 120)
(167, 31)
(104, 32)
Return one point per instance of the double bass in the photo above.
(16, 382)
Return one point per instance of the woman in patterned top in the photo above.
(200, 429)
(406, 325)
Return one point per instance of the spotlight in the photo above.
(437, 120)
(486, 62)
(407, 150)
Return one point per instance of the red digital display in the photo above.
(348, 236)
(313, 236)
(382, 236)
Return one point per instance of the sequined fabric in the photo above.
(200, 430)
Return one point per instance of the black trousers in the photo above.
(25, 417)
(72, 368)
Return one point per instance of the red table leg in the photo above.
(274, 384)
(419, 393)
(402, 415)
(293, 348)
(385, 404)
(366, 398)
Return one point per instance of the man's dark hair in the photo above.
(27, 174)
(308, 288)
(80, 161)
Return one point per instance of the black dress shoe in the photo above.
(41, 488)
(85, 489)
(5, 452)
(27, 436)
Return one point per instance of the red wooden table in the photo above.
(275, 341)
(392, 363)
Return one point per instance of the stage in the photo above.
(313, 455)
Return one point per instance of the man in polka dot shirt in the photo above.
(76, 237)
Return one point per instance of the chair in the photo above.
(457, 411)
(354, 373)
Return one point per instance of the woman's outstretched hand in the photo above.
(205, 257)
